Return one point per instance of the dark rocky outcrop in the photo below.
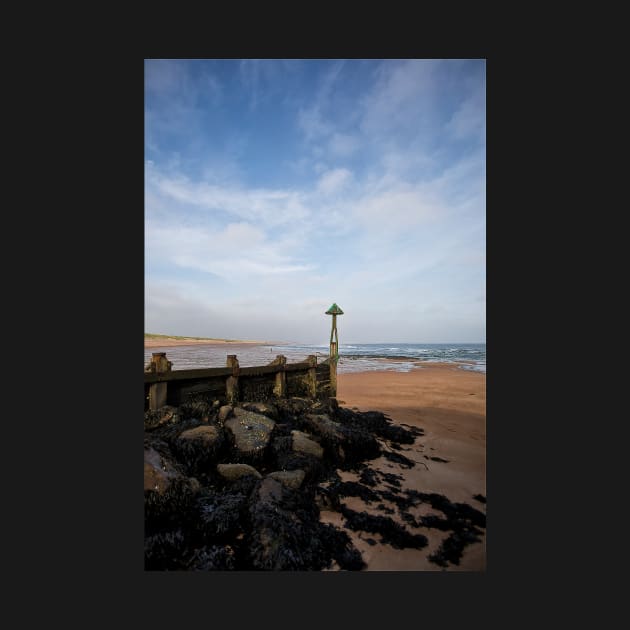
(240, 487)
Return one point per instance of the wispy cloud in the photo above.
(333, 181)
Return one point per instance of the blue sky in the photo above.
(274, 188)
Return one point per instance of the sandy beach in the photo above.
(449, 404)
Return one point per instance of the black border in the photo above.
(95, 531)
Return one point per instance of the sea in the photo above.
(366, 357)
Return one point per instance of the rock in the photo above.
(225, 412)
(208, 435)
(289, 478)
(251, 431)
(160, 417)
(324, 426)
(262, 408)
(196, 448)
(269, 493)
(292, 407)
(302, 443)
(236, 471)
(159, 473)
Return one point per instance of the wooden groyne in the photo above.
(232, 383)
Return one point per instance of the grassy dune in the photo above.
(179, 338)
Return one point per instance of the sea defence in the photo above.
(278, 379)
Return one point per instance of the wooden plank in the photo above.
(179, 375)
(258, 370)
(293, 367)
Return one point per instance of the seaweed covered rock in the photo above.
(212, 558)
(262, 408)
(221, 517)
(236, 471)
(251, 431)
(159, 472)
(284, 458)
(302, 443)
(207, 435)
(286, 533)
(290, 409)
(168, 495)
(198, 409)
(163, 416)
(324, 426)
(165, 551)
(198, 446)
(289, 478)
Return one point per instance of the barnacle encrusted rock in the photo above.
(251, 431)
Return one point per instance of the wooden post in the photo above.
(157, 391)
(333, 368)
(231, 385)
(312, 376)
(280, 388)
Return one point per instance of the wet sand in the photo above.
(449, 404)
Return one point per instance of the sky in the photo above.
(274, 188)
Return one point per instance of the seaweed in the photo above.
(405, 462)
(391, 532)
(353, 489)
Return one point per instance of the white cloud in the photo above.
(396, 210)
(334, 181)
(271, 207)
(236, 251)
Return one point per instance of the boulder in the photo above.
(289, 479)
(197, 447)
(232, 472)
(251, 431)
(324, 426)
(208, 435)
(159, 473)
(302, 443)
(262, 408)
(225, 412)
